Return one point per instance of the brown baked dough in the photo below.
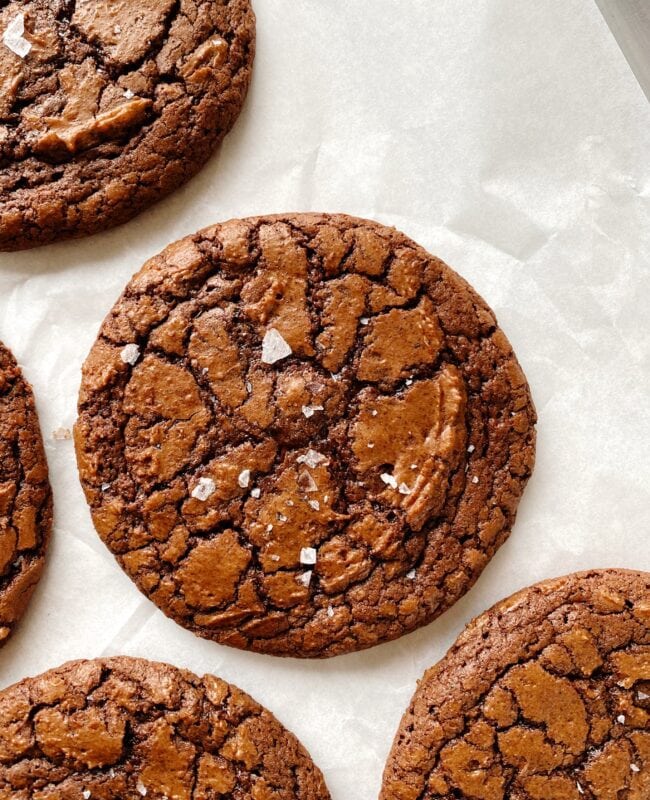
(546, 696)
(25, 497)
(123, 728)
(108, 105)
(302, 434)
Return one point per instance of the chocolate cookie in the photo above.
(108, 105)
(123, 728)
(302, 435)
(25, 497)
(544, 697)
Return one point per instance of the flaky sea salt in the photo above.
(256, 492)
(642, 695)
(309, 411)
(269, 528)
(141, 788)
(282, 518)
(86, 794)
(471, 448)
(130, 354)
(411, 575)
(275, 558)
(371, 445)
(244, 478)
(580, 789)
(634, 768)
(305, 578)
(389, 480)
(475, 479)
(364, 321)
(307, 483)
(204, 488)
(315, 505)
(409, 382)
(330, 612)
(105, 487)
(274, 347)
(404, 489)
(311, 458)
(374, 412)
(621, 719)
(308, 555)
(14, 38)
(128, 94)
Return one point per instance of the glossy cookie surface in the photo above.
(302, 434)
(544, 697)
(25, 497)
(124, 728)
(108, 105)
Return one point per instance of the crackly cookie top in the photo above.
(105, 106)
(25, 499)
(544, 697)
(124, 728)
(302, 435)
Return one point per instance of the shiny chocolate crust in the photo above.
(25, 496)
(123, 728)
(546, 696)
(302, 434)
(113, 106)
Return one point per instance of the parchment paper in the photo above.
(510, 138)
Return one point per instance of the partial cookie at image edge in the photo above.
(546, 694)
(103, 112)
(124, 727)
(25, 496)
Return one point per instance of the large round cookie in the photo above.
(108, 105)
(25, 498)
(302, 435)
(123, 728)
(544, 697)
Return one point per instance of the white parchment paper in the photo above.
(510, 138)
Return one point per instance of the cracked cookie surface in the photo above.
(302, 434)
(121, 728)
(25, 498)
(105, 107)
(544, 697)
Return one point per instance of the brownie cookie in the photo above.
(302, 434)
(544, 697)
(108, 105)
(25, 497)
(123, 728)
